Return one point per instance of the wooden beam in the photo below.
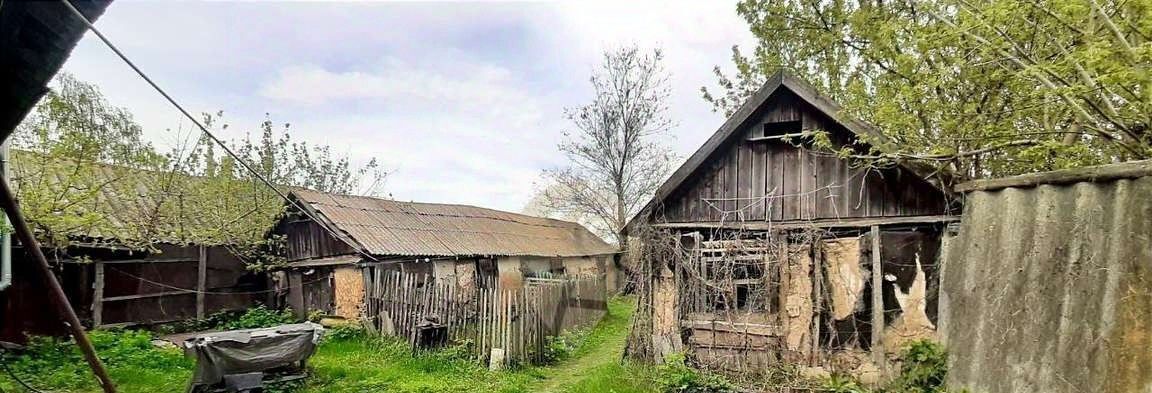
(130, 261)
(146, 295)
(201, 281)
(27, 237)
(817, 300)
(98, 295)
(877, 347)
(1100, 173)
(822, 223)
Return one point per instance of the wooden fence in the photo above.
(517, 321)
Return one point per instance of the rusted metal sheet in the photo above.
(393, 228)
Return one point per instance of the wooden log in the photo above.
(201, 281)
(98, 296)
(877, 346)
(148, 295)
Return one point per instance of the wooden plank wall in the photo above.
(305, 239)
(773, 180)
(181, 283)
(519, 321)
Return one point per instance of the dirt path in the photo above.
(602, 348)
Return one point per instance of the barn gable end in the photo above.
(747, 172)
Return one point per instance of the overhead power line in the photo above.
(213, 137)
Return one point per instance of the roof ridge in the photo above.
(564, 223)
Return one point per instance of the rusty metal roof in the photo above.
(393, 228)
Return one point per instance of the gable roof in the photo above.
(782, 79)
(392, 228)
(36, 37)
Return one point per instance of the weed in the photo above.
(924, 370)
(131, 358)
(345, 332)
(563, 346)
(676, 376)
(258, 317)
(844, 384)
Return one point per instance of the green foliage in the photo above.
(345, 332)
(563, 346)
(924, 369)
(985, 88)
(129, 355)
(76, 151)
(344, 362)
(843, 384)
(675, 376)
(258, 317)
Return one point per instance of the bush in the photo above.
(561, 347)
(257, 317)
(675, 376)
(345, 332)
(844, 384)
(924, 370)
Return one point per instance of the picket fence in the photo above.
(517, 321)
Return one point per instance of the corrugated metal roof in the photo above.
(392, 228)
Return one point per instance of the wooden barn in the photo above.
(786, 252)
(133, 246)
(330, 261)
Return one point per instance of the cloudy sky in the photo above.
(463, 101)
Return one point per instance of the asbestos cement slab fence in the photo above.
(517, 321)
(1048, 285)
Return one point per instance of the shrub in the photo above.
(843, 384)
(675, 376)
(257, 317)
(924, 370)
(561, 347)
(345, 332)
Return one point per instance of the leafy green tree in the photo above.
(57, 148)
(980, 87)
(83, 170)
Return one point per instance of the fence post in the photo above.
(98, 296)
(201, 281)
(877, 300)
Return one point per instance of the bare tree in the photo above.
(617, 161)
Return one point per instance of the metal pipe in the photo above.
(5, 235)
(28, 241)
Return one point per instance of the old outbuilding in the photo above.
(767, 246)
(133, 246)
(335, 244)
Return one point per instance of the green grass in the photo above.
(349, 365)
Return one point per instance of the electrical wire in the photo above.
(25, 385)
(244, 163)
(175, 288)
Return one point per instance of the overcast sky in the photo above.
(463, 101)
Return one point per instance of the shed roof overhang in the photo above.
(36, 38)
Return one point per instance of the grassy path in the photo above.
(597, 361)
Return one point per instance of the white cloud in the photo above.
(465, 101)
(396, 81)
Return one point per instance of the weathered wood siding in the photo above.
(773, 180)
(305, 239)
